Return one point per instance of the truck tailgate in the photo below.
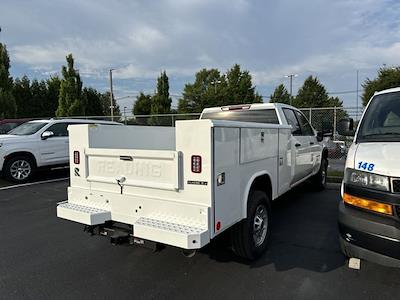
(159, 169)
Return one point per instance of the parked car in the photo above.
(36, 144)
(369, 215)
(185, 185)
(336, 149)
(8, 124)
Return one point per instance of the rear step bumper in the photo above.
(158, 228)
(82, 214)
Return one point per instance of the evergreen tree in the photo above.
(161, 102)
(23, 96)
(314, 94)
(142, 105)
(52, 94)
(213, 89)
(38, 101)
(70, 101)
(93, 105)
(8, 107)
(105, 103)
(208, 89)
(387, 78)
(280, 95)
(240, 89)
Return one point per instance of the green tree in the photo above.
(142, 105)
(210, 88)
(8, 106)
(52, 94)
(240, 89)
(280, 95)
(314, 94)
(38, 101)
(207, 90)
(161, 102)
(23, 96)
(92, 100)
(70, 100)
(105, 103)
(387, 78)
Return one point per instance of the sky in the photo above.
(324, 38)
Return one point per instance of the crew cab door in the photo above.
(308, 132)
(301, 150)
(54, 149)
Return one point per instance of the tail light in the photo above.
(77, 158)
(196, 163)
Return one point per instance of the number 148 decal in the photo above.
(366, 166)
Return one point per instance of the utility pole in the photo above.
(125, 121)
(111, 96)
(290, 76)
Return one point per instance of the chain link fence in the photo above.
(322, 119)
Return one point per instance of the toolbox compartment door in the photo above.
(157, 169)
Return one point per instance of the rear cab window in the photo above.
(268, 116)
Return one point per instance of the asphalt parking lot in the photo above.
(42, 257)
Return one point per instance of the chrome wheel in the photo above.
(20, 169)
(260, 225)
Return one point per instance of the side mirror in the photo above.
(324, 133)
(346, 127)
(47, 134)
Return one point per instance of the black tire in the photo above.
(19, 169)
(319, 179)
(243, 234)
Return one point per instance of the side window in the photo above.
(59, 129)
(306, 128)
(292, 120)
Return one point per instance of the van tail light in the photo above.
(196, 163)
(77, 158)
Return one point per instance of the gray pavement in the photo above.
(42, 257)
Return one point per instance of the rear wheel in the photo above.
(319, 179)
(250, 237)
(19, 169)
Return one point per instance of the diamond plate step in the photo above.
(185, 236)
(83, 214)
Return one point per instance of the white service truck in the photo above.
(369, 216)
(184, 186)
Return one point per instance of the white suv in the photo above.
(36, 144)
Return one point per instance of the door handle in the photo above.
(297, 145)
(311, 143)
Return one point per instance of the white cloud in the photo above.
(140, 38)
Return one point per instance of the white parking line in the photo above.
(33, 183)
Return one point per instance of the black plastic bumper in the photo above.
(369, 236)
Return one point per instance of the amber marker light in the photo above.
(382, 208)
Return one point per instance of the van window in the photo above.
(255, 116)
(381, 121)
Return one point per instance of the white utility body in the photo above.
(184, 185)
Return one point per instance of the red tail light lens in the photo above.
(196, 163)
(77, 158)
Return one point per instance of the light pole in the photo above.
(290, 76)
(214, 83)
(111, 96)
(125, 114)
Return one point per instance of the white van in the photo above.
(369, 216)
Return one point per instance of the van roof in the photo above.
(392, 90)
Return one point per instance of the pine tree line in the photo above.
(61, 97)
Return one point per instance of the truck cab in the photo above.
(369, 215)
